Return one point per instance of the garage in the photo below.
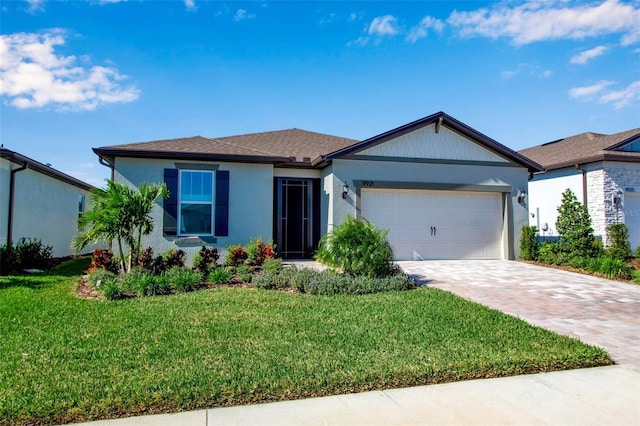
(438, 224)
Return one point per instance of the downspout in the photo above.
(584, 184)
(105, 163)
(12, 184)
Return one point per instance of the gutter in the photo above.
(584, 184)
(12, 184)
(105, 163)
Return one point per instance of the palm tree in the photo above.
(119, 213)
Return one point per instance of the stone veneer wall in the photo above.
(609, 181)
(596, 201)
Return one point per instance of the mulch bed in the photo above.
(84, 290)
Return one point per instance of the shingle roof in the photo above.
(275, 146)
(584, 148)
(45, 169)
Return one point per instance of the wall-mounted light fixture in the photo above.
(521, 196)
(617, 198)
(345, 191)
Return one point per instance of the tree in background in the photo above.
(574, 227)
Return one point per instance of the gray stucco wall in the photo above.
(250, 201)
(347, 171)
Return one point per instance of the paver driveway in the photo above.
(597, 311)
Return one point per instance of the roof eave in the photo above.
(32, 164)
(112, 153)
(594, 159)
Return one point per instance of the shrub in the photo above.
(258, 251)
(619, 237)
(236, 255)
(553, 254)
(529, 243)
(8, 260)
(184, 279)
(272, 265)
(111, 289)
(102, 259)
(173, 258)
(205, 260)
(31, 253)
(245, 273)
(330, 283)
(357, 248)
(605, 265)
(220, 276)
(574, 226)
(99, 276)
(146, 259)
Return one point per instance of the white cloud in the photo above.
(35, 6)
(32, 75)
(242, 14)
(624, 97)
(551, 20)
(190, 5)
(587, 55)
(545, 74)
(384, 26)
(507, 74)
(420, 31)
(586, 91)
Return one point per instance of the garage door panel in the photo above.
(468, 225)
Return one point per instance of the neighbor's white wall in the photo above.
(46, 209)
(5, 173)
(250, 201)
(545, 196)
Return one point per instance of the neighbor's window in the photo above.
(80, 207)
(196, 202)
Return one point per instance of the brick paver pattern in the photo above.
(597, 311)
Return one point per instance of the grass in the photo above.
(65, 359)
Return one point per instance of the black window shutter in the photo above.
(170, 219)
(222, 203)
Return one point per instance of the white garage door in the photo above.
(437, 224)
(632, 218)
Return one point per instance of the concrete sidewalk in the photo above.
(595, 396)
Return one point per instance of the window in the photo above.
(196, 202)
(80, 207)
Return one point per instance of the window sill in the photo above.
(195, 240)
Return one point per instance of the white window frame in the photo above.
(212, 202)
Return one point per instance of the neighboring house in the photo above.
(443, 189)
(602, 170)
(39, 202)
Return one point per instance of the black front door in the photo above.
(296, 218)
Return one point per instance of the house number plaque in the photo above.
(368, 183)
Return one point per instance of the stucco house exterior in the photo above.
(602, 170)
(39, 202)
(444, 190)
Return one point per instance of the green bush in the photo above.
(356, 247)
(98, 276)
(111, 289)
(28, 253)
(529, 243)
(272, 265)
(244, 272)
(221, 276)
(605, 265)
(574, 227)
(553, 254)
(184, 279)
(619, 237)
(330, 283)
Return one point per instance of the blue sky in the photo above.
(81, 74)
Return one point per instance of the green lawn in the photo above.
(64, 359)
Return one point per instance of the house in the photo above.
(602, 170)
(444, 190)
(39, 202)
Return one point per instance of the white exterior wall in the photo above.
(44, 208)
(604, 179)
(5, 175)
(250, 201)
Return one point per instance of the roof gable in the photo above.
(587, 148)
(486, 148)
(427, 143)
